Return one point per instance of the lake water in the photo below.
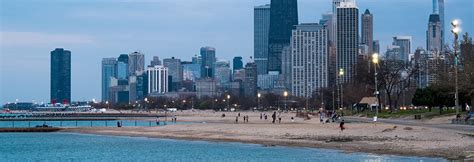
(83, 123)
(82, 147)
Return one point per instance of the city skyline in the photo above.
(87, 50)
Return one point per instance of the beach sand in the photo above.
(358, 137)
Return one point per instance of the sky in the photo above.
(95, 29)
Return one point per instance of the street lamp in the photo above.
(107, 103)
(341, 74)
(456, 30)
(228, 100)
(144, 104)
(258, 100)
(184, 103)
(285, 94)
(375, 60)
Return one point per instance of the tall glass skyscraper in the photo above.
(208, 56)
(283, 18)
(109, 66)
(438, 8)
(60, 76)
(261, 22)
(347, 36)
(122, 67)
(434, 41)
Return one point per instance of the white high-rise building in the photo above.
(157, 79)
(309, 58)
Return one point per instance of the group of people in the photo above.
(328, 116)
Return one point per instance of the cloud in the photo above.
(33, 39)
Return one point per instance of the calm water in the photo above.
(80, 147)
(110, 123)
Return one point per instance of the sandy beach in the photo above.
(358, 137)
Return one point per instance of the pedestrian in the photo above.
(239, 114)
(279, 118)
(261, 116)
(157, 121)
(265, 116)
(244, 119)
(292, 119)
(341, 125)
(274, 117)
(237, 119)
(247, 119)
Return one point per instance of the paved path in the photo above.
(463, 128)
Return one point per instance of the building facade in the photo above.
(122, 67)
(250, 81)
(175, 73)
(60, 76)
(283, 17)
(404, 42)
(223, 72)
(237, 63)
(156, 61)
(157, 79)
(309, 58)
(208, 56)
(367, 33)
(434, 34)
(206, 87)
(261, 21)
(347, 39)
(136, 63)
(109, 71)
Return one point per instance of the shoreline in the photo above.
(271, 143)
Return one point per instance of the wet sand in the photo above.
(358, 137)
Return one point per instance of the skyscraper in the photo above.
(60, 76)
(136, 63)
(222, 74)
(157, 79)
(393, 52)
(347, 39)
(122, 67)
(238, 64)
(109, 66)
(250, 80)
(376, 46)
(283, 17)
(438, 8)
(404, 42)
(261, 21)
(433, 34)
(208, 56)
(309, 71)
(175, 71)
(367, 30)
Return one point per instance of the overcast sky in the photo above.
(94, 29)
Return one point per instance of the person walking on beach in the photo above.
(236, 119)
(261, 116)
(341, 125)
(279, 119)
(274, 117)
(157, 121)
(265, 116)
(247, 119)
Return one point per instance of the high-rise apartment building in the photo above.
(175, 72)
(250, 80)
(309, 58)
(404, 42)
(261, 19)
(223, 72)
(347, 39)
(283, 17)
(122, 67)
(60, 76)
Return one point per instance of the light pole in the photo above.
(375, 60)
(145, 104)
(184, 103)
(228, 100)
(341, 74)
(285, 94)
(456, 29)
(258, 100)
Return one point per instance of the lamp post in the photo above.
(375, 60)
(184, 103)
(145, 104)
(456, 29)
(285, 94)
(228, 100)
(341, 74)
(258, 100)
(107, 103)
